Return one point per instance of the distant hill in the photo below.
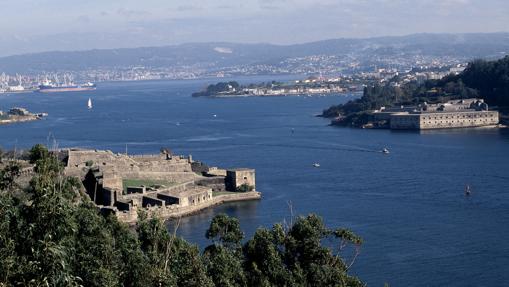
(215, 55)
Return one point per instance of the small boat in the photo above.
(467, 190)
(385, 150)
(215, 116)
(316, 164)
(89, 104)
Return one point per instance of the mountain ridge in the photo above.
(222, 54)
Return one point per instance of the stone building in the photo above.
(164, 183)
(384, 114)
(236, 178)
(452, 114)
(442, 120)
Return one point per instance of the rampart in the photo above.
(462, 113)
(174, 211)
(152, 163)
(171, 185)
(440, 120)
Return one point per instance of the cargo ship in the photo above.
(52, 88)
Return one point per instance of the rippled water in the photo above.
(409, 206)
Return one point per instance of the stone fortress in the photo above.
(452, 114)
(162, 184)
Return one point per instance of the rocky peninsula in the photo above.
(16, 115)
(309, 86)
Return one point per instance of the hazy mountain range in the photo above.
(215, 55)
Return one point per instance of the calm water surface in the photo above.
(418, 227)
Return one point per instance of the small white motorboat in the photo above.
(467, 190)
(316, 164)
(385, 150)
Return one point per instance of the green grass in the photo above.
(145, 182)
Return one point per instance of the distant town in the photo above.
(350, 72)
(320, 85)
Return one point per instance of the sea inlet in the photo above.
(409, 206)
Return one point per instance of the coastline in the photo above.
(370, 126)
(321, 94)
(11, 120)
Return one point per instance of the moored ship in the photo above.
(52, 88)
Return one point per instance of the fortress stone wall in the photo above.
(188, 189)
(440, 120)
(462, 113)
(176, 211)
(79, 159)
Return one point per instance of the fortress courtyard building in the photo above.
(466, 113)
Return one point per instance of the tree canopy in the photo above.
(215, 89)
(55, 236)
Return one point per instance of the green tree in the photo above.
(173, 261)
(225, 230)
(223, 259)
(48, 239)
(97, 261)
(224, 266)
(296, 257)
(265, 261)
(133, 263)
(8, 175)
(53, 235)
(320, 265)
(9, 224)
(37, 152)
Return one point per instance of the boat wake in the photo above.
(310, 147)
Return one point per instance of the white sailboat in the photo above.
(89, 104)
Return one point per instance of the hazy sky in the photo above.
(40, 25)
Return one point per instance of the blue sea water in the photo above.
(418, 227)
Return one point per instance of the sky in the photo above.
(46, 25)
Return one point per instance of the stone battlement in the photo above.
(175, 211)
(462, 113)
(441, 120)
(166, 183)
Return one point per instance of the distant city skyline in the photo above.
(47, 25)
